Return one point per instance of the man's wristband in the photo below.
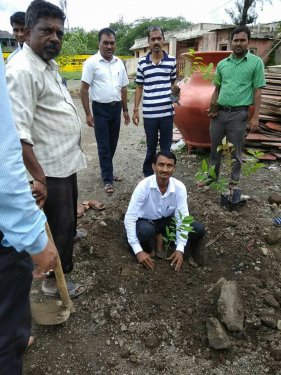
(125, 109)
(136, 109)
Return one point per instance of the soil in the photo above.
(132, 321)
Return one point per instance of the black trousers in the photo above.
(107, 117)
(15, 316)
(147, 229)
(61, 211)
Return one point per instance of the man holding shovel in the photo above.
(22, 237)
(49, 129)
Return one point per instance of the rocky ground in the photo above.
(220, 318)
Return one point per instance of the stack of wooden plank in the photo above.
(268, 138)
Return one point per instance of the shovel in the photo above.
(55, 312)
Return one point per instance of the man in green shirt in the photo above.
(238, 80)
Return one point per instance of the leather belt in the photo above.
(110, 103)
(233, 109)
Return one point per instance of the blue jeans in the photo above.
(15, 316)
(151, 127)
(107, 118)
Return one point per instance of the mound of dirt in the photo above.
(132, 321)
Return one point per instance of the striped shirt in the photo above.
(156, 81)
(238, 78)
(44, 113)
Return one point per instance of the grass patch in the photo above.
(71, 75)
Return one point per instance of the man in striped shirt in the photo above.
(156, 75)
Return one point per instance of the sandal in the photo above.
(49, 288)
(96, 205)
(80, 233)
(277, 221)
(108, 188)
(80, 210)
(117, 178)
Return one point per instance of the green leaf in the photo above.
(204, 165)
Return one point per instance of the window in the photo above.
(137, 54)
(223, 47)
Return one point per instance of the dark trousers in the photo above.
(147, 229)
(61, 211)
(152, 126)
(233, 126)
(15, 316)
(107, 118)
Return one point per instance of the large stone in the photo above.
(217, 336)
(271, 301)
(274, 198)
(273, 236)
(230, 307)
(250, 280)
(275, 350)
(152, 341)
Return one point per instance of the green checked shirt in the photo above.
(238, 78)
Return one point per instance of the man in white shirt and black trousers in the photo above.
(155, 201)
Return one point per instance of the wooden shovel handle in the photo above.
(61, 284)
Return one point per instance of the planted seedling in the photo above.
(180, 225)
(230, 195)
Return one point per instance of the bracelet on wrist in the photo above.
(136, 109)
(125, 109)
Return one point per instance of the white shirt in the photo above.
(106, 78)
(44, 113)
(19, 48)
(147, 202)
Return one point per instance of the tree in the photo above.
(245, 12)
(127, 33)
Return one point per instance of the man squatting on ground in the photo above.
(155, 201)
(105, 76)
(238, 80)
(23, 240)
(49, 128)
(17, 21)
(156, 75)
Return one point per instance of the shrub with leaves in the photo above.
(196, 65)
(252, 165)
(207, 175)
(181, 225)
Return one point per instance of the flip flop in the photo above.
(117, 178)
(108, 188)
(80, 233)
(80, 210)
(74, 290)
(96, 205)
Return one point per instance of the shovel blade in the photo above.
(50, 313)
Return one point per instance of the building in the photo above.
(8, 41)
(207, 37)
